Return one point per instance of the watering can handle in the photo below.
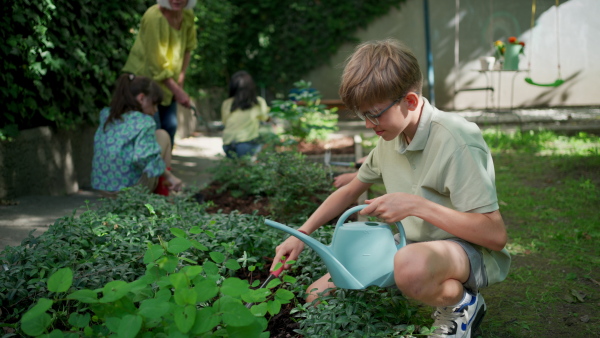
(357, 208)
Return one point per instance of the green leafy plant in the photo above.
(59, 62)
(172, 298)
(107, 243)
(303, 115)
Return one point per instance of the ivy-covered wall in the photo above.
(61, 57)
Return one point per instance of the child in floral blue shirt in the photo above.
(127, 149)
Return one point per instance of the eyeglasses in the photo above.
(372, 116)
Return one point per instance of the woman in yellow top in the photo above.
(162, 51)
(241, 114)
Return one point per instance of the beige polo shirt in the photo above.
(447, 162)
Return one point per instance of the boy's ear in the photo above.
(412, 100)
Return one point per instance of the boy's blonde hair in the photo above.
(378, 71)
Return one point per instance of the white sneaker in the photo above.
(458, 322)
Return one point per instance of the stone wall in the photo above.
(43, 161)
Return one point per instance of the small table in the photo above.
(490, 83)
(489, 77)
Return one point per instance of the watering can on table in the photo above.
(361, 254)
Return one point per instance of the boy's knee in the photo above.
(316, 289)
(410, 272)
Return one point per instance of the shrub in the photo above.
(295, 186)
(106, 243)
(303, 115)
(60, 59)
(171, 299)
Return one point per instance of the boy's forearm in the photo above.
(486, 229)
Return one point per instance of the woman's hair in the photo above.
(243, 90)
(167, 5)
(378, 71)
(128, 88)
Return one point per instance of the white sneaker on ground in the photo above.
(459, 321)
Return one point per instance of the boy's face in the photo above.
(401, 116)
(392, 121)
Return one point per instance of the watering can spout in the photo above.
(342, 277)
(361, 254)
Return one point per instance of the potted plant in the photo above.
(509, 52)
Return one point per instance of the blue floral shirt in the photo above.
(125, 150)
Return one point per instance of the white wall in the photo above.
(481, 23)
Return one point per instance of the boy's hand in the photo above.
(343, 179)
(290, 248)
(392, 207)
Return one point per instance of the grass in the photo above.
(549, 191)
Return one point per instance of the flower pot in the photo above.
(511, 57)
(487, 62)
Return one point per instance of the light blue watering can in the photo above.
(361, 254)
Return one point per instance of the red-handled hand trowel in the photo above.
(273, 275)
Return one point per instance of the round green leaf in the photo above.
(179, 280)
(192, 271)
(232, 264)
(236, 314)
(185, 317)
(178, 232)
(211, 269)
(184, 296)
(273, 283)
(114, 290)
(84, 296)
(61, 280)
(252, 330)
(79, 320)
(42, 305)
(154, 308)
(130, 326)
(274, 307)
(169, 264)
(178, 245)
(206, 290)
(35, 326)
(284, 294)
(56, 333)
(195, 230)
(206, 320)
(217, 257)
(153, 253)
(199, 245)
(256, 296)
(259, 309)
(234, 287)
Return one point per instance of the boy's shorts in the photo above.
(477, 275)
